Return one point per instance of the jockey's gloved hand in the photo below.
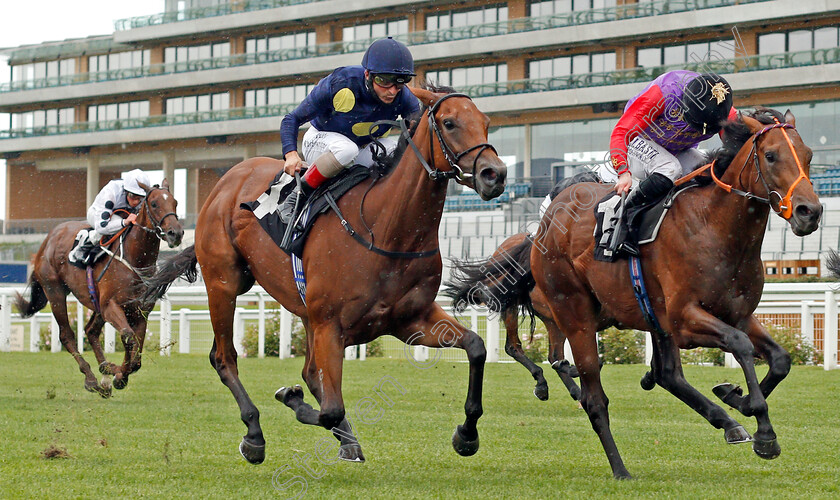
(129, 220)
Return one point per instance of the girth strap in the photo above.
(641, 294)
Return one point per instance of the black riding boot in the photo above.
(287, 209)
(648, 192)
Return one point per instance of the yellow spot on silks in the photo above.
(344, 100)
(363, 129)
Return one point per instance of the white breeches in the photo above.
(646, 157)
(315, 143)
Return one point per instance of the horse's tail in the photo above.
(37, 299)
(502, 282)
(171, 268)
(832, 262)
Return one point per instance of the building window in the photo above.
(118, 111)
(559, 150)
(39, 70)
(196, 52)
(197, 103)
(280, 42)
(465, 77)
(673, 55)
(42, 118)
(550, 7)
(393, 27)
(799, 40)
(455, 19)
(119, 60)
(511, 142)
(276, 95)
(569, 65)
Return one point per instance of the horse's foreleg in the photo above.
(222, 301)
(513, 348)
(708, 331)
(349, 449)
(68, 340)
(113, 313)
(439, 329)
(777, 358)
(666, 370)
(557, 358)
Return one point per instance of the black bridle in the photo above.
(156, 224)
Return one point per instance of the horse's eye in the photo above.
(449, 124)
(770, 156)
(154, 204)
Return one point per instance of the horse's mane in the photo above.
(736, 134)
(384, 164)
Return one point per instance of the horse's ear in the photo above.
(427, 97)
(789, 119)
(144, 187)
(751, 123)
(165, 184)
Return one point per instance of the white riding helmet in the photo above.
(132, 180)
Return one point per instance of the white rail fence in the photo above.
(811, 308)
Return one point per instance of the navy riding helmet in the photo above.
(706, 103)
(388, 56)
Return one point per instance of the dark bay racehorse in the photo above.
(470, 280)
(354, 295)
(703, 273)
(53, 277)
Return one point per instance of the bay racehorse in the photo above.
(469, 282)
(53, 277)
(354, 294)
(703, 273)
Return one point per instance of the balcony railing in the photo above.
(517, 25)
(584, 80)
(203, 12)
(151, 121)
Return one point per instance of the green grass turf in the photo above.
(174, 431)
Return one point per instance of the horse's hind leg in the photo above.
(221, 298)
(557, 358)
(93, 329)
(513, 348)
(707, 330)
(58, 301)
(439, 329)
(113, 313)
(666, 370)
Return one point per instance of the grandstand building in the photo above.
(204, 85)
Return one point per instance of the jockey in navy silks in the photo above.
(341, 109)
(655, 140)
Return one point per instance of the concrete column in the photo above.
(92, 179)
(261, 326)
(165, 327)
(492, 338)
(169, 168)
(183, 332)
(5, 323)
(526, 162)
(830, 336)
(192, 202)
(110, 338)
(517, 8)
(285, 334)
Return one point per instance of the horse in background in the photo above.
(466, 287)
(119, 284)
(354, 292)
(704, 276)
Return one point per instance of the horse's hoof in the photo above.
(737, 435)
(767, 449)
(463, 446)
(541, 391)
(286, 394)
(728, 393)
(120, 382)
(647, 381)
(351, 453)
(253, 453)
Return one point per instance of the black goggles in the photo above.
(388, 81)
